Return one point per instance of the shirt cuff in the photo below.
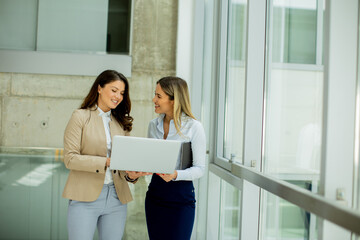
(180, 175)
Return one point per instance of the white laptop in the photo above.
(144, 154)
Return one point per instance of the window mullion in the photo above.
(255, 58)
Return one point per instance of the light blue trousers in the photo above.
(107, 213)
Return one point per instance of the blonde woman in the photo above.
(170, 199)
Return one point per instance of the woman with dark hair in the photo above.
(98, 196)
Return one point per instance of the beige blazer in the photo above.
(85, 155)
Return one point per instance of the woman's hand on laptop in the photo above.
(168, 177)
(135, 175)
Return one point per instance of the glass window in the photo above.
(293, 118)
(65, 26)
(229, 212)
(31, 184)
(294, 26)
(31, 206)
(357, 138)
(284, 220)
(18, 19)
(235, 81)
(293, 115)
(118, 28)
(88, 26)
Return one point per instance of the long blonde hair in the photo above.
(177, 90)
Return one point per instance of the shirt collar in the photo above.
(104, 114)
(160, 124)
(172, 129)
(160, 119)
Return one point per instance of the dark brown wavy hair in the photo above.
(122, 111)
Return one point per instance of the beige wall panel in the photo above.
(154, 35)
(144, 34)
(142, 112)
(1, 127)
(158, 75)
(42, 85)
(40, 122)
(135, 223)
(143, 84)
(166, 35)
(141, 87)
(5, 79)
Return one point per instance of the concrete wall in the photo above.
(154, 54)
(35, 108)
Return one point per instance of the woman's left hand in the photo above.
(134, 175)
(168, 177)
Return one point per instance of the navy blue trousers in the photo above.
(170, 209)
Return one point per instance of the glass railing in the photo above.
(284, 220)
(31, 183)
(31, 205)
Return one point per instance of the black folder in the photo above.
(186, 157)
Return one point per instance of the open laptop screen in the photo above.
(144, 154)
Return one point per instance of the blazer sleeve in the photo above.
(73, 159)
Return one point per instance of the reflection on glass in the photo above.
(293, 114)
(283, 220)
(89, 26)
(18, 24)
(229, 212)
(31, 203)
(235, 80)
(31, 184)
(294, 31)
(357, 138)
(293, 111)
(118, 28)
(65, 25)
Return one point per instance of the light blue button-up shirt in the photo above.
(192, 131)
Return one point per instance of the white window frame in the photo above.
(250, 179)
(340, 76)
(221, 86)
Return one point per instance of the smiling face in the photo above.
(111, 95)
(163, 104)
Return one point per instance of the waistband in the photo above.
(109, 184)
